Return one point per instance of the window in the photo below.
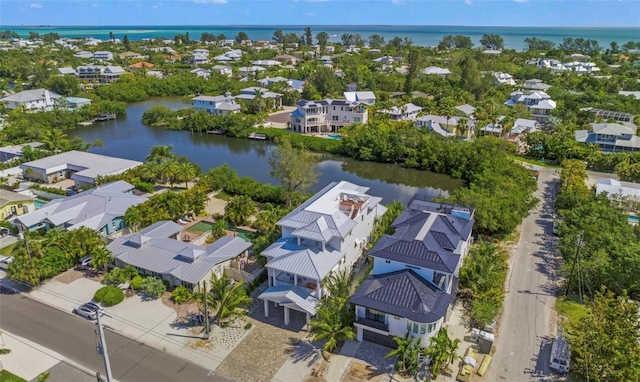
(388, 261)
(375, 315)
(415, 327)
(423, 328)
(432, 327)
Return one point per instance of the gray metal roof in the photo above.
(291, 295)
(425, 239)
(86, 164)
(151, 249)
(92, 208)
(405, 294)
(286, 256)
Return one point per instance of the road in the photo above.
(75, 339)
(528, 323)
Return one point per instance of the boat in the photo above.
(106, 117)
(257, 136)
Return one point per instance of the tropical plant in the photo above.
(54, 140)
(159, 154)
(153, 287)
(101, 257)
(181, 294)
(329, 323)
(119, 276)
(219, 229)
(407, 353)
(185, 172)
(228, 297)
(442, 351)
(136, 283)
(109, 295)
(294, 168)
(239, 209)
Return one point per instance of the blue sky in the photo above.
(568, 13)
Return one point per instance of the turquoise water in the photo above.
(421, 35)
(244, 234)
(633, 219)
(200, 227)
(39, 203)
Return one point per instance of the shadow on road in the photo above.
(542, 372)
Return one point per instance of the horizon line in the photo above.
(314, 25)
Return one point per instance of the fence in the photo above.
(238, 275)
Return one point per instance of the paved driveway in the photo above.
(528, 324)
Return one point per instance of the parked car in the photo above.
(85, 262)
(88, 310)
(4, 232)
(5, 261)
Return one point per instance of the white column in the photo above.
(286, 315)
(266, 308)
(359, 334)
(319, 286)
(308, 321)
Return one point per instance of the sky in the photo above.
(566, 13)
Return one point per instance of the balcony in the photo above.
(372, 324)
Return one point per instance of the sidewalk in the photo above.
(27, 359)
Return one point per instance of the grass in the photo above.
(223, 196)
(570, 309)
(535, 161)
(6, 376)
(6, 251)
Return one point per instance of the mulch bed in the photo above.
(74, 274)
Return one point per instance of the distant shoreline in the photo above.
(3, 27)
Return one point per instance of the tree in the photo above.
(241, 36)
(323, 39)
(442, 351)
(533, 43)
(605, 343)
(228, 297)
(185, 172)
(219, 229)
(239, 209)
(294, 168)
(126, 42)
(329, 324)
(407, 354)
(376, 41)
(347, 39)
(153, 287)
(615, 48)
(54, 140)
(278, 36)
(101, 257)
(492, 41)
(462, 42)
(308, 36)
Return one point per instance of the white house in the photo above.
(103, 56)
(366, 97)
(200, 72)
(266, 63)
(325, 235)
(503, 79)
(415, 274)
(443, 126)
(407, 112)
(434, 70)
(327, 115)
(538, 103)
(246, 71)
(216, 105)
(83, 54)
(34, 100)
(222, 69)
(611, 137)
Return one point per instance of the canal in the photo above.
(127, 137)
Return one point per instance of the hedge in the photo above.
(109, 295)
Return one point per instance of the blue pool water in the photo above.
(39, 203)
(634, 219)
(334, 136)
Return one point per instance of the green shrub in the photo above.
(248, 326)
(136, 283)
(109, 295)
(153, 287)
(144, 186)
(181, 294)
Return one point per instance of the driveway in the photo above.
(528, 324)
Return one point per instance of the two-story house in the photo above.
(325, 235)
(611, 137)
(103, 56)
(415, 274)
(216, 105)
(32, 100)
(407, 112)
(538, 103)
(327, 115)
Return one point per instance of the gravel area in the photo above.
(74, 274)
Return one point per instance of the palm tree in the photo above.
(230, 298)
(448, 111)
(54, 139)
(329, 325)
(186, 171)
(463, 127)
(160, 154)
(24, 267)
(219, 229)
(407, 353)
(101, 257)
(168, 171)
(442, 351)
(149, 171)
(239, 210)
(132, 218)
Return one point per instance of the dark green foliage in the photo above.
(181, 294)
(109, 295)
(153, 287)
(136, 283)
(407, 353)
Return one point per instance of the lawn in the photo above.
(570, 309)
(535, 161)
(6, 376)
(6, 251)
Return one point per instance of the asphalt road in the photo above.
(528, 323)
(75, 339)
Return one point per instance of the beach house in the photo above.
(327, 115)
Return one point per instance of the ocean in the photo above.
(421, 35)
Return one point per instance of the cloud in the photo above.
(468, 2)
(210, 1)
(35, 5)
(397, 2)
(521, 1)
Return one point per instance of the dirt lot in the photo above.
(73, 274)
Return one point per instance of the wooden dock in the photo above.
(106, 117)
(261, 137)
(87, 123)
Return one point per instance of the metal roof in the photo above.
(403, 293)
(291, 295)
(85, 164)
(286, 256)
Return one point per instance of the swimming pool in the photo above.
(330, 136)
(633, 219)
(39, 203)
(200, 227)
(246, 235)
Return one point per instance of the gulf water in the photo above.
(421, 35)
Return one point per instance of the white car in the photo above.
(5, 261)
(88, 310)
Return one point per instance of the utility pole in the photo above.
(573, 267)
(102, 348)
(206, 312)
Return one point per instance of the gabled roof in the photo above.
(405, 294)
(30, 95)
(286, 256)
(7, 196)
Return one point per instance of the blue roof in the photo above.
(296, 113)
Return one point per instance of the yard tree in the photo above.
(323, 39)
(278, 36)
(443, 351)
(101, 257)
(492, 41)
(407, 354)
(308, 36)
(329, 324)
(295, 168)
(605, 343)
(347, 39)
(228, 297)
(241, 36)
(239, 209)
(376, 41)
